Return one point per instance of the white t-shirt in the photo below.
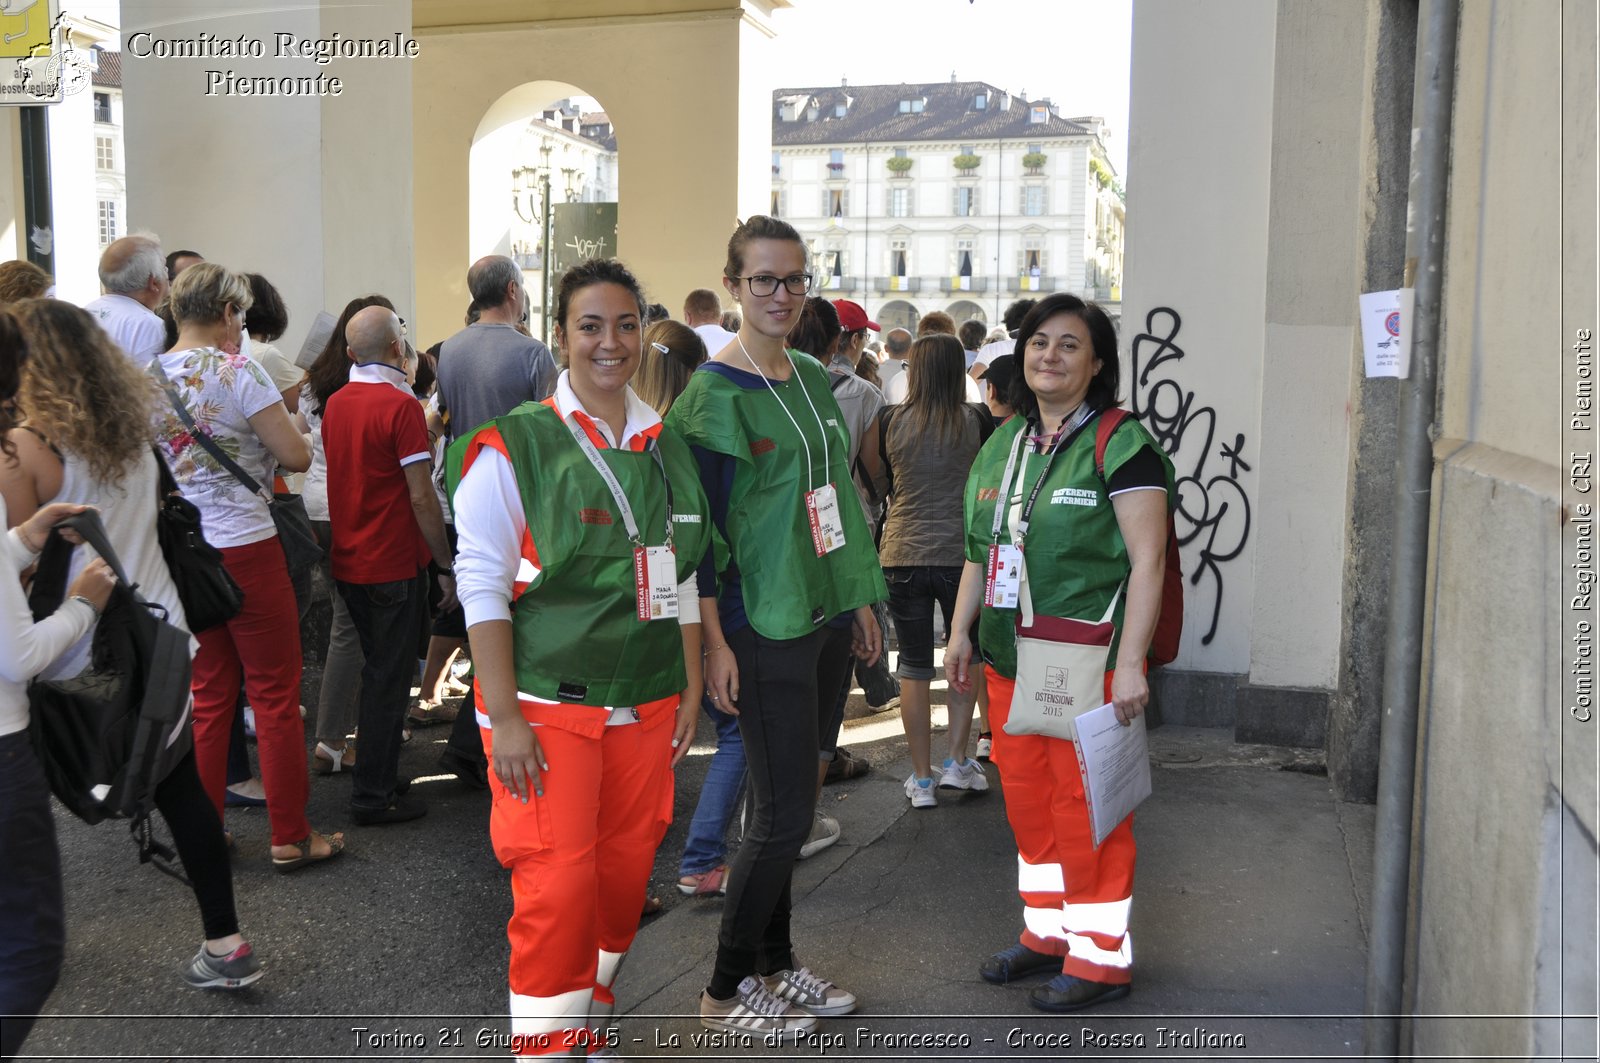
(285, 374)
(127, 508)
(894, 392)
(222, 392)
(888, 369)
(715, 336)
(990, 351)
(314, 488)
(133, 326)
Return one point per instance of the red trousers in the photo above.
(1076, 898)
(262, 643)
(580, 859)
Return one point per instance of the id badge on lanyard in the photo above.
(655, 582)
(655, 570)
(1003, 578)
(827, 526)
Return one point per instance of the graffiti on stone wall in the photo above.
(1213, 506)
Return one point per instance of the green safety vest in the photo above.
(576, 634)
(1074, 554)
(788, 590)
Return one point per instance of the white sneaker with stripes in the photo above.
(967, 775)
(808, 992)
(756, 1012)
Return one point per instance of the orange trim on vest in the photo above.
(490, 437)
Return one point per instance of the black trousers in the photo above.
(197, 835)
(785, 704)
(387, 617)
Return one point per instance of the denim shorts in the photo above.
(913, 591)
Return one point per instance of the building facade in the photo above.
(956, 196)
(578, 152)
(110, 181)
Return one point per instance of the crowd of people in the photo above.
(662, 521)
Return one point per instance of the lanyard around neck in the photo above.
(610, 477)
(1002, 504)
(794, 374)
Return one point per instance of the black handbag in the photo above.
(209, 595)
(108, 737)
(301, 549)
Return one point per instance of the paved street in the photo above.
(1247, 924)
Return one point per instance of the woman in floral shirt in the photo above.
(230, 399)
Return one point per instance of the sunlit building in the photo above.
(955, 196)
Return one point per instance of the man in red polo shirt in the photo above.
(386, 524)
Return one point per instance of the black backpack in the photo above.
(107, 737)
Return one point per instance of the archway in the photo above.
(897, 313)
(674, 221)
(966, 310)
(540, 148)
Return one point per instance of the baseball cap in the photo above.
(852, 318)
(1000, 373)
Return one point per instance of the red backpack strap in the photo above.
(1109, 420)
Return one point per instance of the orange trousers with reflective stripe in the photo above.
(580, 856)
(1050, 820)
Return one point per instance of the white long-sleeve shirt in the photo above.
(25, 647)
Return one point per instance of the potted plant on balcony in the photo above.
(965, 162)
(1034, 161)
(899, 165)
(1102, 175)
(835, 167)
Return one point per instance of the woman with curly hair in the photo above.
(21, 279)
(84, 439)
(32, 934)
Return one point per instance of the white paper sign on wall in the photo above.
(1386, 332)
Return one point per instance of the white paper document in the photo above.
(1386, 332)
(1115, 762)
(316, 339)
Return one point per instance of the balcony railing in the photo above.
(1029, 283)
(963, 284)
(896, 284)
(830, 283)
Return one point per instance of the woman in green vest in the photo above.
(1083, 537)
(581, 523)
(774, 450)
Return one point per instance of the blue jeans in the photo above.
(387, 618)
(32, 927)
(707, 845)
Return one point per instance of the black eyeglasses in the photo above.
(764, 284)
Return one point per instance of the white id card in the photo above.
(1003, 578)
(655, 579)
(827, 527)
